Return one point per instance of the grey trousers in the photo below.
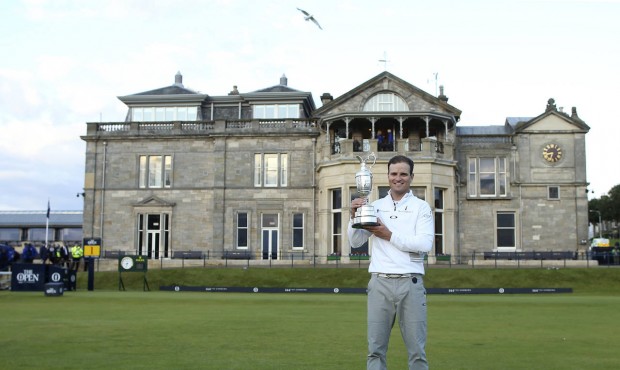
(387, 299)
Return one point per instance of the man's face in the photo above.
(399, 178)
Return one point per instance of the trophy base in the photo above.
(362, 224)
(365, 216)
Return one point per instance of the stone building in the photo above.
(267, 175)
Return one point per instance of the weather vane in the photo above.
(384, 61)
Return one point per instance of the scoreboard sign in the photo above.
(92, 247)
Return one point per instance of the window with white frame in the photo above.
(487, 177)
(386, 102)
(242, 230)
(298, 231)
(336, 209)
(553, 192)
(439, 221)
(506, 230)
(275, 111)
(163, 114)
(155, 171)
(270, 170)
(419, 192)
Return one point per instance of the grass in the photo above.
(108, 329)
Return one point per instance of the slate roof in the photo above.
(277, 88)
(483, 130)
(513, 121)
(169, 90)
(39, 219)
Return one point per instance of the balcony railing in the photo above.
(425, 147)
(201, 127)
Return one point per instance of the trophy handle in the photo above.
(374, 159)
(364, 161)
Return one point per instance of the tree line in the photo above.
(608, 205)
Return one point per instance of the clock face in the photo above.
(552, 153)
(127, 263)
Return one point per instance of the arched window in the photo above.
(385, 102)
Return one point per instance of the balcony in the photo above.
(419, 148)
(217, 127)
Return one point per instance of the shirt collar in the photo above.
(407, 195)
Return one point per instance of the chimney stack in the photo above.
(441, 96)
(326, 98)
(178, 79)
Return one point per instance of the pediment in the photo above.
(416, 99)
(552, 121)
(154, 201)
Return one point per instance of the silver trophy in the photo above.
(365, 215)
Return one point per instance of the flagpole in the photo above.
(47, 223)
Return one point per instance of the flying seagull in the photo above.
(309, 17)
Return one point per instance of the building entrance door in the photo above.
(153, 238)
(270, 231)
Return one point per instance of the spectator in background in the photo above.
(29, 253)
(51, 254)
(43, 254)
(76, 255)
(62, 255)
(357, 145)
(380, 141)
(4, 257)
(389, 146)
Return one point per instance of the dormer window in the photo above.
(279, 111)
(386, 102)
(163, 114)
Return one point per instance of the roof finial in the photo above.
(384, 61)
(178, 79)
(283, 80)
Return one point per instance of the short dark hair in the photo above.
(401, 159)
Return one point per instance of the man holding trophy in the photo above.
(402, 227)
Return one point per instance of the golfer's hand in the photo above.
(355, 204)
(380, 231)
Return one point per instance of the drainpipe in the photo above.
(94, 185)
(314, 196)
(105, 152)
(458, 212)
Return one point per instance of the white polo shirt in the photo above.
(412, 225)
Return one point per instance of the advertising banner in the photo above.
(27, 277)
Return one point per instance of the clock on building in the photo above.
(552, 153)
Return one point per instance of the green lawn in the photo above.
(108, 329)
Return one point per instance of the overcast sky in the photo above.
(65, 62)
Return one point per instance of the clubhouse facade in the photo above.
(269, 176)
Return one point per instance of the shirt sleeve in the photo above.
(421, 240)
(357, 237)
